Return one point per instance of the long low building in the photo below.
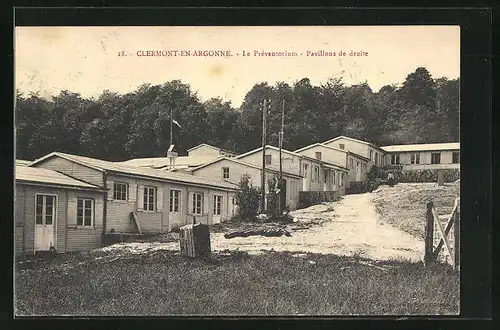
(231, 170)
(317, 174)
(356, 165)
(431, 156)
(55, 211)
(147, 200)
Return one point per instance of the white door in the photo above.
(174, 214)
(45, 217)
(217, 209)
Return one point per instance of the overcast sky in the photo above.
(85, 59)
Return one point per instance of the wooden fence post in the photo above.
(429, 233)
(456, 231)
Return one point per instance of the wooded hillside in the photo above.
(137, 124)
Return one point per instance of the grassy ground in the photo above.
(164, 283)
(404, 205)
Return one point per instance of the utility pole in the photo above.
(263, 176)
(280, 185)
(171, 131)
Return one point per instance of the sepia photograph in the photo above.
(237, 170)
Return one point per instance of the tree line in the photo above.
(117, 127)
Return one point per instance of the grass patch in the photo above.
(404, 205)
(232, 283)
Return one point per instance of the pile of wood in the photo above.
(269, 232)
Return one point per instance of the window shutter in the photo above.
(206, 203)
(109, 184)
(71, 216)
(140, 198)
(190, 203)
(132, 192)
(159, 199)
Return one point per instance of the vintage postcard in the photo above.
(210, 170)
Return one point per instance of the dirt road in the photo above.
(349, 227)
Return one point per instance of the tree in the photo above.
(116, 127)
(30, 114)
(249, 135)
(221, 119)
(247, 198)
(419, 88)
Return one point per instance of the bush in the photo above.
(450, 175)
(247, 198)
(373, 174)
(272, 198)
(309, 198)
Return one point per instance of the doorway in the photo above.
(45, 217)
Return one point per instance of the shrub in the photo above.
(247, 198)
(373, 174)
(450, 175)
(272, 197)
(308, 198)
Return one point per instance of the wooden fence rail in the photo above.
(433, 221)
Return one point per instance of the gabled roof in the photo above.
(103, 166)
(332, 148)
(44, 176)
(320, 145)
(268, 147)
(290, 153)
(211, 146)
(353, 139)
(22, 162)
(244, 164)
(422, 147)
(159, 162)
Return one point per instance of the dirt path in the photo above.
(350, 227)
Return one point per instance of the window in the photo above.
(318, 155)
(149, 198)
(371, 154)
(85, 212)
(395, 159)
(342, 146)
(341, 183)
(357, 166)
(436, 158)
(415, 158)
(456, 158)
(175, 196)
(334, 177)
(306, 167)
(45, 209)
(197, 203)
(325, 174)
(376, 158)
(225, 172)
(120, 191)
(351, 163)
(268, 159)
(234, 201)
(316, 173)
(217, 204)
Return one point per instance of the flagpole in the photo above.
(263, 176)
